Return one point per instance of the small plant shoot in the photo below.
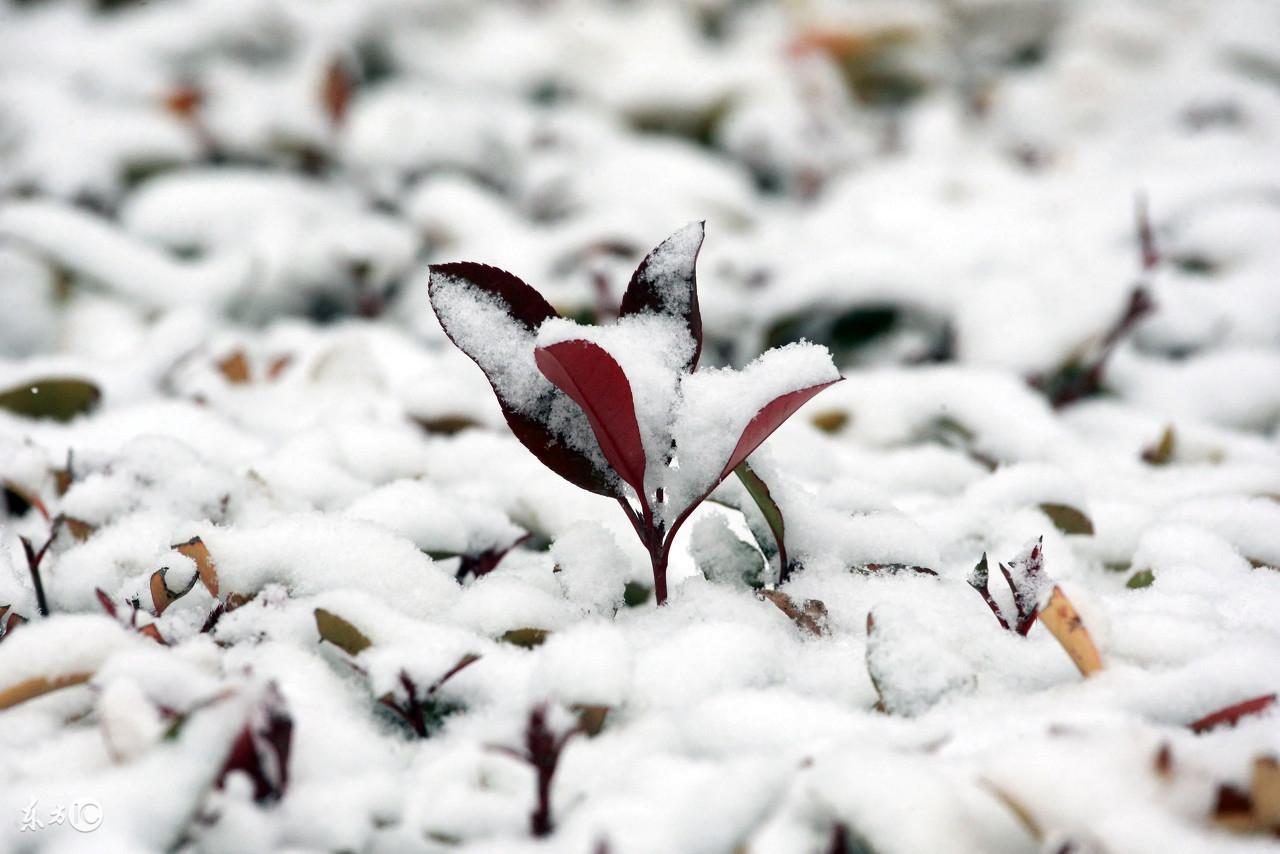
(622, 410)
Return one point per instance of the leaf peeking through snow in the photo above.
(195, 549)
(1060, 618)
(55, 398)
(527, 637)
(340, 633)
(592, 379)
(811, 617)
(262, 747)
(666, 283)
(1231, 715)
(1068, 519)
(759, 492)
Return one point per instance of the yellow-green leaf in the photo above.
(1068, 519)
(527, 637)
(58, 398)
(340, 633)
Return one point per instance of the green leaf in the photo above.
(636, 594)
(1140, 579)
(340, 633)
(759, 492)
(58, 398)
(527, 637)
(1068, 519)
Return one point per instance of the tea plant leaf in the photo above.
(1060, 618)
(340, 633)
(666, 283)
(528, 310)
(1068, 519)
(759, 492)
(55, 398)
(591, 377)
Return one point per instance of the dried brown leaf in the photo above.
(1060, 618)
(195, 549)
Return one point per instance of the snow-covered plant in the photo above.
(621, 410)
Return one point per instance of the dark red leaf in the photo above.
(486, 561)
(768, 419)
(524, 303)
(666, 283)
(261, 749)
(105, 601)
(589, 375)
(529, 309)
(336, 90)
(1232, 714)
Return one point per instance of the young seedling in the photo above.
(621, 410)
(1028, 583)
(542, 749)
(34, 558)
(1082, 375)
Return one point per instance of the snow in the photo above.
(939, 198)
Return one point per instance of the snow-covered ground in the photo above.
(219, 214)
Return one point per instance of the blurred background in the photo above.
(908, 182)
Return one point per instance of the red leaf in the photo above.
(666, 283)
(336, 90)
(105, 601)
(1232, 714)
(597, 383)
(525, 304)
(768, 419)
(529, 309)
(261, 749)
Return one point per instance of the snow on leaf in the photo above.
(724, 415)
(810, 618)
(261, 749)
(195, 549)
(666, 283)
(161, 596)
(768, 419)
(591, 377)
(493, 317)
